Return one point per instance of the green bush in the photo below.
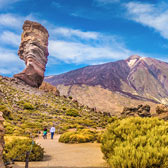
(100, 136)
(80, 136)
(136, 143)
(28, 106)
(9, 128)
(17, 148)
(6, 112)
(72, 112)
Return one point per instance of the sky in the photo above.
(85, 32)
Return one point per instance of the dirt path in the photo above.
(59, 155)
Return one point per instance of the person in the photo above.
(52, 131)
(45, 133)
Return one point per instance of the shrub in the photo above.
(6, 112)
(100, 136)
(72, 112)
(80, 136)
(136, 143)
(86, 122)
(79, 127)
(9, 128)
(28, 106)
(16, 149)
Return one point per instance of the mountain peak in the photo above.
(132, 57)
(132, 60)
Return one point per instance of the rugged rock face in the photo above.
(142, 111)
(1, 140)
(34, 51)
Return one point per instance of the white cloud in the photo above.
(14, 21)
(10, 38)
(10, 20)
(10, 62)
(68, 32)
(4, 3)
(76, 52)
(154, 16)
(77, 46)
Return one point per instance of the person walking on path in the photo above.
(52, 131)
(45, 133)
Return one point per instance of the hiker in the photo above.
(45, 133)
(52, 131)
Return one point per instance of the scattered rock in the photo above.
(141, 110)
(34, 51)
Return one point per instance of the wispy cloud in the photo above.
(154, 16)
(10, 38)
(56, 4)
(4, 3)
(83, 52)
(9, 63)
(68, 32)
(11, 20)
(14, 21)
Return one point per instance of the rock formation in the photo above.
(162, 112)
(34, 51)
(161, 109)
(141, 111)
(49, 88)
(1, 140)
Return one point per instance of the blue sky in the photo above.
(85, 32)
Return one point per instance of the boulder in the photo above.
(141, 111)
(34, 51)
(161, 109)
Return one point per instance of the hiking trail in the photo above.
(60, 155)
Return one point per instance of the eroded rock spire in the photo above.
(34, 51)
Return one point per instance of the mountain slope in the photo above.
(28, 110)
(138, 78)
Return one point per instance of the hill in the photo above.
(28, 110)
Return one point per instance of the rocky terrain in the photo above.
(102, 99)
(111, 86)
(34, 51)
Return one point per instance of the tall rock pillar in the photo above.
(34, 51)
